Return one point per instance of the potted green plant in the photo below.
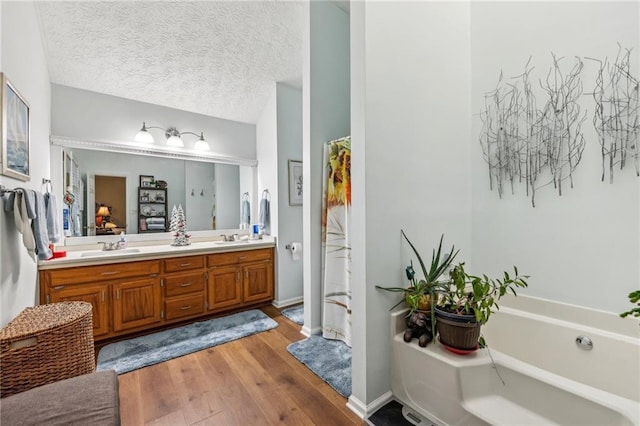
(467, 302)
(634, 297)
(421, 293)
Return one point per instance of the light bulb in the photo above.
(201, 144)
(143, 136)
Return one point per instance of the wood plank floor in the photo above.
(251, 381)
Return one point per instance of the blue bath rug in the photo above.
(328, 359)
(129, 355)
(295, 314)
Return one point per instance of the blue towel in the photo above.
(265, 215)
(53, 227)
(39, 226)
(23, 205)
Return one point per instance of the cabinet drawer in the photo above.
(83, 274)
(235, 257)
(183, 283)
(184, 306)
(183, 263)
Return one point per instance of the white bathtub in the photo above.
(548, 379)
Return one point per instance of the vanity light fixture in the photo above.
(174, 137)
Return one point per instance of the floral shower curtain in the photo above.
(336, 217)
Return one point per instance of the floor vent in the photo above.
(415, 418)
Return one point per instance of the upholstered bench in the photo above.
(89, 399)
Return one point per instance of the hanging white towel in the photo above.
(53, 227)
(245, 215)
(265, 213)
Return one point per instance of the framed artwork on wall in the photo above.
(16, 131)
(295, 183)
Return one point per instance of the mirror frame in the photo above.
(150, 150)
(153, 151)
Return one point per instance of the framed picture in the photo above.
(146, 181)
(295, 183)
(16, 132)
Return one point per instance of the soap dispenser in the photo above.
(122, 243)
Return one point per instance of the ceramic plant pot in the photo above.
(424, 304)
(458, 331)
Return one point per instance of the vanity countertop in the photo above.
(150, 252)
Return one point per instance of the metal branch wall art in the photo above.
(617, 113)
(524, 143)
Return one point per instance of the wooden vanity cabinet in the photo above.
(124, 295)
(96, 294)
(239, 278)
(224, 287)
(136, 303)
(184, 290)
(131, 297)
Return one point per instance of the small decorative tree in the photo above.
(178, 227)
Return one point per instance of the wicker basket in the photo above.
(45, 344)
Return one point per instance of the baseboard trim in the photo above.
(287, 302)
(308, 332)
(355, 405)
(364, 411)
(379, 402)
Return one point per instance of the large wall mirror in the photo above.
(209, 193)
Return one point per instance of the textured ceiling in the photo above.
(218, 58)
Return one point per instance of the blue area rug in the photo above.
(129, 355)
(295, 314)
(328, 359)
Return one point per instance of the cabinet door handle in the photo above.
(58, 287)
(102, 296)
(118, 294)
(185, 264)
(185, 308)
(186, 284)
(110, 272)
(247, 273)
(242, 257)
(238, 273)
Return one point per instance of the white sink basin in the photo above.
(231, 242)
(100, 253)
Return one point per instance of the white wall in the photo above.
(412, 171)
(267, 155)
(227, 178)
(92, 116)
(583, 247)
(326, 116)
(279, 139)
(289, 218)
(199, 193)
(23, 61)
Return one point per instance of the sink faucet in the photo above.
(108, 246)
